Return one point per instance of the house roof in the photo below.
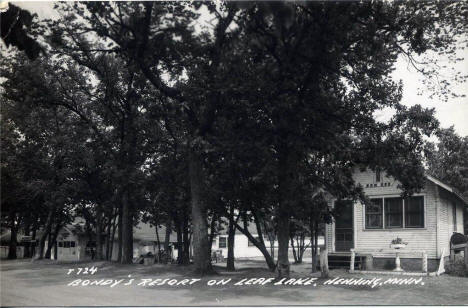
(448, 188)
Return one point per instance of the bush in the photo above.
(457, 267)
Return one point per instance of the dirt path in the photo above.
(24, 284)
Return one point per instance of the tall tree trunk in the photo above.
(186, 239)
(111, 248)
(47, 229)
(27, 245)
(108, 235)
(315, 247)
(13, 237)
(52, 239)
(99, 255)
(159, 241)
(287, 175)
(167, 235)
(201, 257)
(127, 229)
(120, 225)
(179, 240)
(231, 243)
(293, 249)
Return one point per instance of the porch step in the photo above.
(343, 261)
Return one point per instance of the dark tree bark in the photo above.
(230, 244)
(186, 239)
(13, 237)
(111, 248)
(99, 218)
(52, 239)
(120, 225)
(127, 230)
(294, 249)
(201, 257)
(287, 173)
(47, 229)
(167, 235)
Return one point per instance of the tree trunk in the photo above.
(99, 255)
(111, 248)
(167, 236)
(286, 197)
(27, 245)
(159, 241)
(13, 237)
(44, 235)
(186, 239)
(52, 240)
(231, 243)
(201, 257)
(127, 230)
(179, 241)
(259, 244)
(315, 248)
(293, 249)
(120, 225)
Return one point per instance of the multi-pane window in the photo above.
(222, 242)
(414, 212)
(374, 214)
(391, 212)
(66, 244)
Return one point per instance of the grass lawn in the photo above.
(26, 283)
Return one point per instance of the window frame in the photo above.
(219, 242)
(404, 227)
(381, 213)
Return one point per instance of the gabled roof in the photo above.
(447, 188)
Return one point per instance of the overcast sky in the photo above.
(454, 112)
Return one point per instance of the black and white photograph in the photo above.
(234, 153)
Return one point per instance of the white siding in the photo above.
(423, 239)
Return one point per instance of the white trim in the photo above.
(446, 187)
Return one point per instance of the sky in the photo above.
(454, 112)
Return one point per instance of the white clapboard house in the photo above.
(425, 221)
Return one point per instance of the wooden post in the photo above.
(324, 263)
(452, 254)
(351, 263)
(424, 262)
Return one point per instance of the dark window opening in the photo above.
(393, 212)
